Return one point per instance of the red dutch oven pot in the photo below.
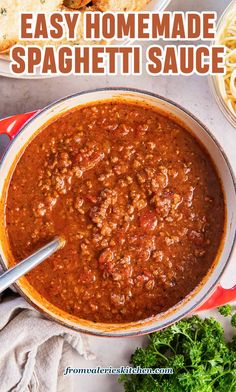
(209, 294)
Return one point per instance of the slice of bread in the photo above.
(9, 17)
(10, 9)
(120, 5)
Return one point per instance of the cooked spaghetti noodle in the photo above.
(227, 83)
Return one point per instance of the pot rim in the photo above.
(150, 328)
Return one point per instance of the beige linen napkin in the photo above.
(34, 351)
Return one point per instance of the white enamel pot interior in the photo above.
(207, 286)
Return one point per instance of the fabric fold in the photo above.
(34, 351)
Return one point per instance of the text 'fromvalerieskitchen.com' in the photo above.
(119, 370)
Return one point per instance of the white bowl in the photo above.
(215, 79)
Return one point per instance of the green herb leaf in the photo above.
(3, 11)
(196, 349)
(225, 310)
(233, 320)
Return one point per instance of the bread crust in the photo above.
(76, 4)
(121, 5)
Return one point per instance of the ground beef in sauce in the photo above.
(138, 201)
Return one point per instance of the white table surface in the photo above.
(18, 96)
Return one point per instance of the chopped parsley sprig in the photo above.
(196, 349)
(225, 310)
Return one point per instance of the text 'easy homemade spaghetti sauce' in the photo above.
(138, 201)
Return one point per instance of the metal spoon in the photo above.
(14, 273)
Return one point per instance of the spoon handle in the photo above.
(14, 273)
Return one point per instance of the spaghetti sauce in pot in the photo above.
(138, 201)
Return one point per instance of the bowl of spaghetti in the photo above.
(224, 86)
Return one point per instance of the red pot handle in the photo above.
(11, 125)
(220, 296)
